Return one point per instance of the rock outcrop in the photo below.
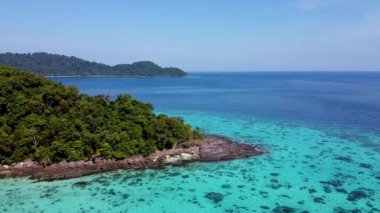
(210, 148)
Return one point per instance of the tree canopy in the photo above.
(59, 65)
(50, 122)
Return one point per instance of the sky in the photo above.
(201, 35)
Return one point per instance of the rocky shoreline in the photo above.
(210, 148)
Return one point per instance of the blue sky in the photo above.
(220, 35)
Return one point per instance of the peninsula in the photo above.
(59, 65)
(50, 131)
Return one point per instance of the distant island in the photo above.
(59, 65)
(50, 131)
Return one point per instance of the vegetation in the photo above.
(60, 65)
(50, 122)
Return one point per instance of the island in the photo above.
(50, 131)
(59, 65)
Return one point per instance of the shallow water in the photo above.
(312, 166)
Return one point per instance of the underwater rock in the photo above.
(341, 190)
(356, 195)
(326, 189)
(214, 196)
(263, 193)
(284, 209)
(365, 165)
(81, 184)
(335, 183)
(318, 200)
(344, 158)
(342, 210)
(111, 192)
(285, 196)
(275, 186)
(226, 186)
(301, 202)
(339, 210)
(274, 180)
(185, 176)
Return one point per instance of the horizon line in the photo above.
(248, 71)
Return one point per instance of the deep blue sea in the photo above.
(322, 129)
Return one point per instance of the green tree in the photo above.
(49, 122)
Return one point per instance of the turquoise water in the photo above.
(313, 166)
(301, 172)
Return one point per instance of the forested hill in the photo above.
(59, 65)
(50, 122)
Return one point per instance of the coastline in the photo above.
(210, 148)
(115, 76)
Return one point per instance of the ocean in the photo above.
(322, 130)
